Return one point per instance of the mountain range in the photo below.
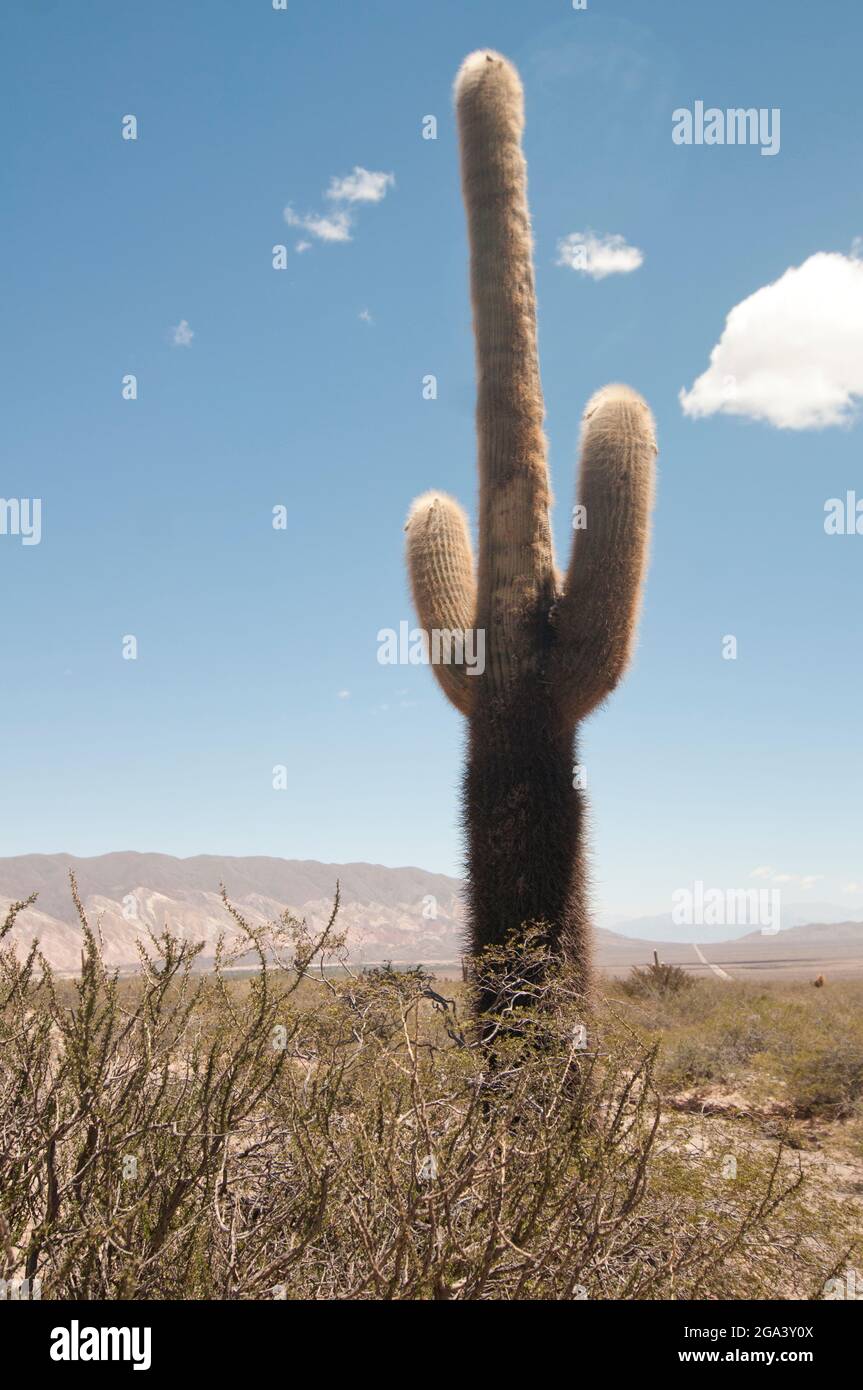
(662, 927)
(400, 914)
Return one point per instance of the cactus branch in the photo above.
(516, 564)
(440, 564)
(597, 615)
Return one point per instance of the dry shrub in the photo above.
(296, 1135)
(829, 1080)
(656, 981)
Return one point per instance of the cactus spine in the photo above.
(555, 647)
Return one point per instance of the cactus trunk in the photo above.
(554, 648)
(524, 825)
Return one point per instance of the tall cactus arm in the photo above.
(440, 564)
(596, 617)
(516, 565)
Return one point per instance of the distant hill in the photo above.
(406, 914)
(663, 928)
(797, 953)
(818, 934)
(402, 914)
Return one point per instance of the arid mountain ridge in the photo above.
(403, 914)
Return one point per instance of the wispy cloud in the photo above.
(767, 871)
(362, 186)
(792, 353)
(335, 228)
(366, 316)
(598, 256)
(182, 335)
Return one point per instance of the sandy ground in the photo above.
(768, 957)
(762, 958)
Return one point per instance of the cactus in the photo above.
(554, 646)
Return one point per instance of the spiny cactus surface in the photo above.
(554, 646)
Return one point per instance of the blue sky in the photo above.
(302, 387)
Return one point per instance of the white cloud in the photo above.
(799, 880)
(344, 694)
(182, 335)
(302, 246)
(598, 256)
(763, 871)
(362, 186)
(366, 316)
(792, 353)
(335, 228)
